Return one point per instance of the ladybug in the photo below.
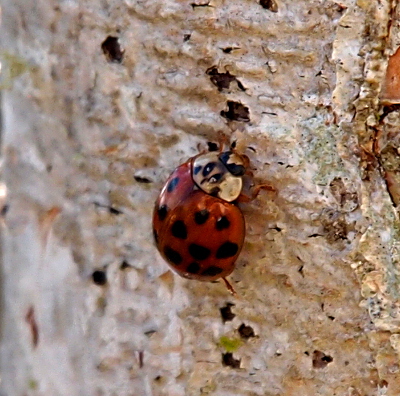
(198, 227)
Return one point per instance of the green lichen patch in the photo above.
(230, 344)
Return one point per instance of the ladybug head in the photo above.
(220, 174)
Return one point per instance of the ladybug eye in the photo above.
(208, 169)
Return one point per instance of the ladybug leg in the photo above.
(201, 150)
(223, 141)
(254, 193)
(229, 287)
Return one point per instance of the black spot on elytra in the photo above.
(227, 249)
(172, 255)
(179, 230)
(212, 271)
(208, 168)
(112, 49)
(222, 223)
(199, 252)
(193, 268)
(155, 235)
(197, 169)
(229, 360)
(162, 212)
(172, 184)
(201, 216)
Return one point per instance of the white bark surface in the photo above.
(88, 138)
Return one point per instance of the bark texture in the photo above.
(101, 100)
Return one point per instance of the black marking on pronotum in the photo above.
(199, 252)
(235, 169)
(201, 216)
(193, 268)
(162, 212)
(222, 223)
(179, 230)
(172, 184)
(208, 168)
(227, 249)
(212, 271)
(172, 255)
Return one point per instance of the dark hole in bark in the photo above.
(320, 360)
(236, 112)
(226, 313)
(143, 180)
(4, 209)
(223, 80)
(270, 5)
(229, 360)
(246, 331)
(194, 5)
(112, 49)
(124, 265)
(212, 146)
(99, 277)
(114, 211)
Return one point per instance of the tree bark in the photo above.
(101, 100)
